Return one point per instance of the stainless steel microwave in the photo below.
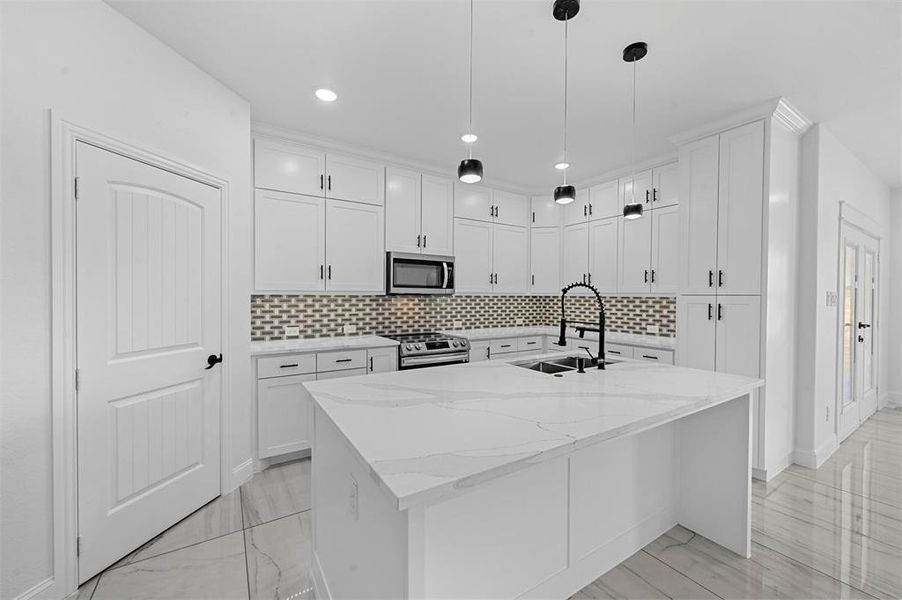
(408, 273)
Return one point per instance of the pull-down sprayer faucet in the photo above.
(562, 340)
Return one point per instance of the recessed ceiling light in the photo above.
(561, 165)
(469, 138)
(326, 95)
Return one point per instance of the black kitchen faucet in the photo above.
(562, 340)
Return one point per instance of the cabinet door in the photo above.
(472, 202)
(604, 201)
(341, 374)
(510, 259)
(666, 190)
(473, 256)
(289, 241)
(576, 254)
(349, 178)
(696, 332)
(479, 351)
(665, 250)
(438, 215)
(355, 247)
(635, 254)
(402, 211)
(643, 188)
(738, 335)
(382, 360)
(740, 210)
(510, 209)
(545, 260)
(546, 212)
(578, 210)
(283, 415)
(603, 254)
(289, 168)
(698, 215)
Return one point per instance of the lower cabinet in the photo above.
(720, 333)
(479, 351)
(283, 415)
(341, 374)
(382, 360)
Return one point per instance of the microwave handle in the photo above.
(445, 272)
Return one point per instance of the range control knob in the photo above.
(408, 347)
(454, 344)
(418, 346)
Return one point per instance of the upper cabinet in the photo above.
(354, 179)
(578, 210)
(639, 190)
(545, 258)
(546, 212)
(289, 168)
(290, 238)
(473, 260)
(437, 219)
(603, 254)
(473, 202)
(419, 212)
(604, 201)
(510, 209)
(666, 181)
(354, 247)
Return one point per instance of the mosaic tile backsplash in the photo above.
(326, 315)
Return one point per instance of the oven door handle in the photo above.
(445, 275)
(436, 359)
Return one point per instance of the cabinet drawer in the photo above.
(530, 344)
(662, 356)
(339, 374)
(619, 351)
(503, 347)
(340, 360)
(291, 364)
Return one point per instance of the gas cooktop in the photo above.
(431, 344)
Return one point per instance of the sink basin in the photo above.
(566, 364)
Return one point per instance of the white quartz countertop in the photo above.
(429, 433)
(633, 339)
(320, 344)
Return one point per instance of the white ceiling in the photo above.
(400, 69)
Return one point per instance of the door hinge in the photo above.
(77, 179)
(78, 546)
(77, 379)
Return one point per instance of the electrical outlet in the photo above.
(651, 329)
(349, 329)
(353, 499)
(292, 332)
(518, 322)
(457, 324)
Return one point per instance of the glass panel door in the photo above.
(849, 299)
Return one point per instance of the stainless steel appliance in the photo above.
(408, 273)
(430, 350)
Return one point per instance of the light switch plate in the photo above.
(651, 329)
(292, 331)
(349, 329)
(457, 324)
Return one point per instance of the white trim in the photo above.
(769, 472)
(778, 108)
(43, 589)
(64, 135)
(813, 459)
(320, 585)
(890, 400)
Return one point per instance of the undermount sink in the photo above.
(556, 366)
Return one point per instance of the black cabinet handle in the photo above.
(496, 278)
(584, 277)
(646, 196)
(342, 360)
(710, 278)
(291, 366)
(613, 351)
(720, 312)
(321, 271)
(590, 279)
(320, 182)
(585, 210)
(329, 179)
(418, 240)
(533, 216)
(212, 361)
(720, 279)
(533, 279)
(371, 364)
(424, 240)
(710, 311)
(649, 357)
(590, 209)
(505, 345)
(652, 275)
(654, 194)
(646, 275)
(531, 343)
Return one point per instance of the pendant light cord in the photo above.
(566, 24)
(470, 124)
(633, 187)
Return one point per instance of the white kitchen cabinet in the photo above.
(546, 212)
(437, 215)
(545, 259)
(473, 255)
(654, 355)
(341, 374)
(665, 250)
(289, 241)
(643, 185)
(382, 360)
(738, 335)
(479, 350)
(603, 254)
(635, 254)
(473, 202)
(740, 210)
(283, 415)
(698, 215)
(576, 254)
(354, 179)
(289, 168)
(355, 246)
(578, 210)
(510, 208)
(618, 351)
(666, 185)
(403, 202)
(604, 200)
(510, 259)
(696, 326)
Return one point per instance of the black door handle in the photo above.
(863, 325)
(213, 360)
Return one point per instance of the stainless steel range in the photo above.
(430, 349)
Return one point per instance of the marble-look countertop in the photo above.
(320, 344)
(429, 433)
(633, 339)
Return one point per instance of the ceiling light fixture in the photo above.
(633, 54)
(470, 169)
(326, 95)
(564, 10)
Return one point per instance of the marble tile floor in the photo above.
(831, 533)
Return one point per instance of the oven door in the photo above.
(408, 273)
(435, 360)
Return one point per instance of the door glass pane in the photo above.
(850, 266)
(868, 308)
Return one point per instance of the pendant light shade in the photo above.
(632, 211)
(564, 10)
(565, 194)
(633, 54)
(470, 170)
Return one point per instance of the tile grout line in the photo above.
(686, 575)
(833, 486)
(247, 571)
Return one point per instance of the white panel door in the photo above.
(355, 247)
(576, 254)
(578, 210)
(635, 254)
(740, 210)
(642, 192)
(696, 332)
(289, 168)
(546, 212)
(283, 415)
(604, 248)
(402, 211)
(604, 200)
(510, 259)
(438, 215)
(738, 334)
(665, 250)
(666, 190)
(698, 215)
(545, 260)
(511, 209)
(473, 202)
(289, 241)
(473, 256)
(349, 178)
(148, 316)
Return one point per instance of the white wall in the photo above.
(894, 331)
(100, 71)
(831, 175)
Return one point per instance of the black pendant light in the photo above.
(564, 10)
(633, 54)
(470, 169)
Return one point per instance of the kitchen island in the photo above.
(489, 480)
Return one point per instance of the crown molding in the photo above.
(791, 118)
(778, 108)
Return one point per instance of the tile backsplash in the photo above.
(326, 315)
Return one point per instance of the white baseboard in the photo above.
(771, 471)
(813, 459)
(262, 464)
(890, 399)
(44, 589)
(240, 474)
